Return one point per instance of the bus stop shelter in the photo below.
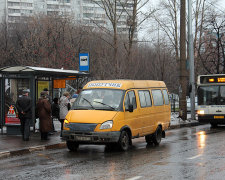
(17, 78)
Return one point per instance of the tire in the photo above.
(148, 139)
(72, 146)
(157, 136)
(213, 125)
(124, 141)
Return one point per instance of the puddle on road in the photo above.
(161, 163)
(71, 177)
(183, 138)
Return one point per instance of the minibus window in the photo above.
(166, 98)
(157, 97)
(130, 99)
(145, 99)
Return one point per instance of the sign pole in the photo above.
(191, 59)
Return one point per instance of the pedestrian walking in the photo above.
(44, 114)
(23, 105)
(64, 107)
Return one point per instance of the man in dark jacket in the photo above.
(23, 106)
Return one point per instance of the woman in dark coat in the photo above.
(44, 114)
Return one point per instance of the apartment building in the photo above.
(86, 12)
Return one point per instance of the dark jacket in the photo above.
(24, 104)
(55, 110)
(44, 114)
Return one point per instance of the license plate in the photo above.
(218, 117)
(83, 138)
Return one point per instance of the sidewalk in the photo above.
(14, 145)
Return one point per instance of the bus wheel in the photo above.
(72, 146)
(213, 125)
(124, 141)
(157, 136)
(148, 139)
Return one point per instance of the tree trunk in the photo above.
(183, 71)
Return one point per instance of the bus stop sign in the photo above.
(84, 62)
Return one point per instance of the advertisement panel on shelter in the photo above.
(12, 116)
(41, 86)
(13, 90)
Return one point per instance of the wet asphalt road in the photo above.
(186, 153)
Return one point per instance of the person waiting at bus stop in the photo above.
(44, 114)
(64, 107)
(23, 106)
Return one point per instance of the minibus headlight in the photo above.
(66, 123)
(107, 125)
(201, 112)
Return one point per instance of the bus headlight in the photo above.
(200, 112)
(107, 125)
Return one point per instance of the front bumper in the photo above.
(217, 119)
(91, 137)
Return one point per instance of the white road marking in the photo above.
(194, 157)
(134, 178)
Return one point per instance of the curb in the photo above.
(184, 125)
(28, 150)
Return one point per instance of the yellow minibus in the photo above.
(113, 112)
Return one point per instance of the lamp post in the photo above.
(191, 59)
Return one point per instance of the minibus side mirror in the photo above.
(130, 108)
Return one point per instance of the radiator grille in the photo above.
(82, 127)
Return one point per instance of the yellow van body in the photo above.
(142, 109)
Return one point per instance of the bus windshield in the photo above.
(211, 95)
(99, 99)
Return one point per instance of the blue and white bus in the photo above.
(211, 99)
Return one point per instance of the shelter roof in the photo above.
(41, 71)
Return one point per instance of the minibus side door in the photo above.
(158, 106)
(131, 118)
(145, 111)
(167, 108)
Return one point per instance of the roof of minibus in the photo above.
(124, 84)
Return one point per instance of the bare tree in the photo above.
(136, 17)
(211, 50)
(112, 12)
(168, 22)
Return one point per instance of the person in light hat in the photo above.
(23, 105)
(64, 107)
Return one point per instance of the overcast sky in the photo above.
(144, 34)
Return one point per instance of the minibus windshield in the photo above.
(99, 99)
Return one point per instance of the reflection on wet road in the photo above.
(186, 153)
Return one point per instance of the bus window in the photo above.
(208, 95)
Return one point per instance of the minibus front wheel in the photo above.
(72, 146)
(157, 136)
(124, 141)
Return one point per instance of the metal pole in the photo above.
(191, 59)
(2, 114)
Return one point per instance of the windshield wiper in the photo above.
(88, 102)
(105, 105)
